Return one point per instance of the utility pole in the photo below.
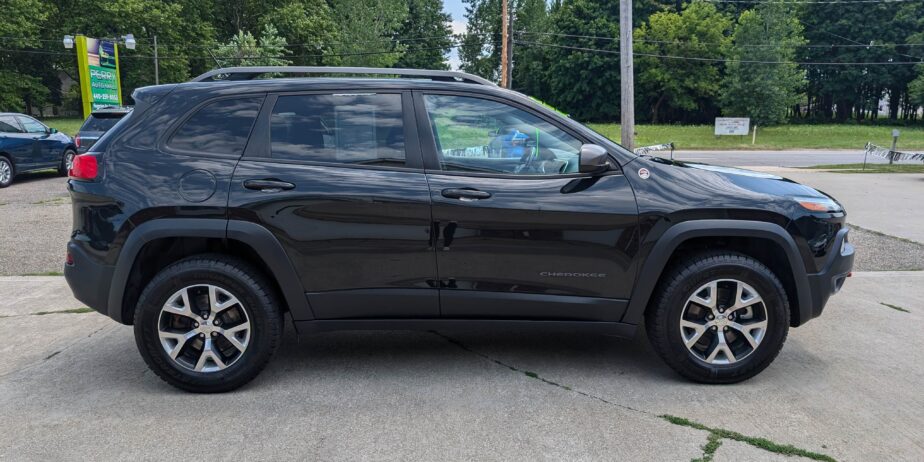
(504, 34)
(627, 93)
(510, 48)
(156, 65)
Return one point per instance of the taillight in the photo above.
(84, 167)
(77, 140)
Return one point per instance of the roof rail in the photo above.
(252, 72)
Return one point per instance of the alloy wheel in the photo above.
(204, 328)
(68, 160)
(723, 322)
(5, 172)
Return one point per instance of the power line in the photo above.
(725, 60)
(762, 45)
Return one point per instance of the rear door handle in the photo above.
(268, 185)
(465, 194)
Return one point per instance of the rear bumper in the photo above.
(88, 279)
(829, 281)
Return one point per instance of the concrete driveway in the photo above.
(846, 386)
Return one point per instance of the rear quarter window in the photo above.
(100, 122)
(219, 127)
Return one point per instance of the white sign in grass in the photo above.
(732, 125)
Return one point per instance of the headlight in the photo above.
(818, 204)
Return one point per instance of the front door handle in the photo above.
(268, 185)
(465, 194)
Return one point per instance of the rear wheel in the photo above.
(208, 324)
(67, 160)
(6, 172)
(719, 318)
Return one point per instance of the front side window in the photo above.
(31, 125)
(362, 129)
(8, 125)
(484, 136)
(220, 127)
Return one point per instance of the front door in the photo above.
(42, 146)
(338, 178)
(521, 234)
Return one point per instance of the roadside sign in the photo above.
(98, 67)
(732, 125)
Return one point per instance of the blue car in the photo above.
(27, 145)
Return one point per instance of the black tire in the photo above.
(238, 278)
(664, 316)
(62, 169)
(6, 164)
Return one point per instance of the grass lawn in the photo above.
(701, 136)
(781, 137)
(64, 125)
(871, 168)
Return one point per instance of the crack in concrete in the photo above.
(713, 440)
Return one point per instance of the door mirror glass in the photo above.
(593, 159)
(52, 131)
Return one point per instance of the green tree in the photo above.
(245, 50)
(583, 83)
(668, 78)
(368, 33)
(480, 47)
(764, 92)
(310, 29)
(21, 83)
(427, 34)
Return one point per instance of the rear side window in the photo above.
(8, 125)
(363, 129)
(100, 122)
(221, 127)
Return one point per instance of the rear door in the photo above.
(338, 178)
(522, 234)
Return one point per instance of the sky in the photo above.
(456, 9)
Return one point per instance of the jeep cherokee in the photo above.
(342, 199)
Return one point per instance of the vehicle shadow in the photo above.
(35, 176)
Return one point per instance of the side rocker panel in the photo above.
(657, 260)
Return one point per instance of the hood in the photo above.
(714, 186)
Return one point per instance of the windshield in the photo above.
(101, 122)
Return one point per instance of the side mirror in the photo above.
(52, 131)
(593, 159)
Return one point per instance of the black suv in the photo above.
(431, 200)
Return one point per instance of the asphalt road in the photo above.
(801, 158)
(846, 385)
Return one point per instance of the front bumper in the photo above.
(830, 279)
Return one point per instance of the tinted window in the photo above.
(479, 135)
(221, 127)
(353, 129)
(101, 122)
(8, 125)
(31, 125)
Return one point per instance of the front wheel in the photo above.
(719, 318)
(67, 161)
(208, 324)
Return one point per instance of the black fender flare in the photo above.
(257, 237)
(660, 254)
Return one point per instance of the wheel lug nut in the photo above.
(214, 334)
(201, 335)
(713, 328)
(195, 324)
